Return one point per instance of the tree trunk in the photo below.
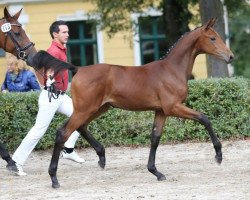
(208, 10)
(176, 18)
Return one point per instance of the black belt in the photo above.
(59, 92)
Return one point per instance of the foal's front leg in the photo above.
(99, 148)
(55, 159)
(159, 122)
(185, 112)
(61, 138)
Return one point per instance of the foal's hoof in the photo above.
(102, 161)
(218, 159)
(11, 166)
(55, 185)
(161, 178)
(101, 164)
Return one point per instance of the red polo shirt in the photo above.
(59, 51)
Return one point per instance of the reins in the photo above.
(52, 91)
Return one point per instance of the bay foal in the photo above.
(160, 86)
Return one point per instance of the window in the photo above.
(82, 44)
(152, 38)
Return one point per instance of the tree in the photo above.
(240, 40)
(176, 17)
(208, 10)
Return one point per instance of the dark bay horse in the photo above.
(160, 86)
(13, 39)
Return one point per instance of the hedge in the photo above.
(224, 101)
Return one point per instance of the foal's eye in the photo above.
(212, 38)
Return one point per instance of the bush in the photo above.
(224, 101)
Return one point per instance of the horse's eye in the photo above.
(213, 38)
(17, 33)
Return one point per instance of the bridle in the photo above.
(6, 28)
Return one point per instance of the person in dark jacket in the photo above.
(19, 78)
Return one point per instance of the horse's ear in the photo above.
(16, 16)
(210, 23)
(6, 13)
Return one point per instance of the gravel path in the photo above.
(192, 174)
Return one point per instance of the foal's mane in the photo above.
(174, 45)
(43, 59)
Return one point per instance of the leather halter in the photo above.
(21, 54)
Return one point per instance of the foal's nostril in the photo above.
(231, 58)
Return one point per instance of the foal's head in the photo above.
(13, 38)
(210, 42)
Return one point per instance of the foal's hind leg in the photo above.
(159, 122)
(4, 153)
(185, 112)
(6, 156)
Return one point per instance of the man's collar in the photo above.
(59, 45)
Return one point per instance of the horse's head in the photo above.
(210, 42)
(13, 38)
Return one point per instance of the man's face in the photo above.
(63, 35)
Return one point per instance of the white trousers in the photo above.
(44, 116)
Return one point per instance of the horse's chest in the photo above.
(176, 92)
(182, 93)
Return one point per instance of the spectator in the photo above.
(19, 78)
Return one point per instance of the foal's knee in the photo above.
(60, 138)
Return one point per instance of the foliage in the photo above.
(233, 6)
(113, 15)
(240, 40)
(224, 101)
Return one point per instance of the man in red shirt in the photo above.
(48, 107)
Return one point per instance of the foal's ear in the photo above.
(6, 13)
(210, 23)
(16, 16)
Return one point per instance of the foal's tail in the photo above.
(43, 59)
